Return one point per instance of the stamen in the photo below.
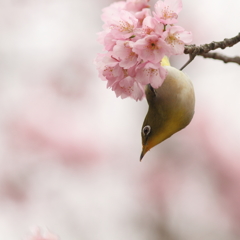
(173, 39)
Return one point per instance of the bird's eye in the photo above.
(146, 130)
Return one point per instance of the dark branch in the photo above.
(204, 50)
(222, 57)
(199, 50)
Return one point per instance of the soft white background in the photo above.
(69, 149)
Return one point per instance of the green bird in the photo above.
(171, 108)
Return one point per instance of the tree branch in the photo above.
(222, 57)
(203, 50)
(199, 50)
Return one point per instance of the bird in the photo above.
(170, 107)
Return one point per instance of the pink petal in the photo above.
(136, 5)
(123, 51)
(151, 48)
(186, 37)
(150, 73)
(128, 87)
(174, 5)
(167, 11)
(142, 15)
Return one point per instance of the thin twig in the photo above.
(222, 57)
(191, 57)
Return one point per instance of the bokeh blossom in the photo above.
(40, 235)
(135, 42)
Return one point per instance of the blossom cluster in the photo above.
(135, 41)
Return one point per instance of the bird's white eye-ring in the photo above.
(146, 130)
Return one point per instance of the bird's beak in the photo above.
(144, 150)
(142, 155)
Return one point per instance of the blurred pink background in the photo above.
(69, 149)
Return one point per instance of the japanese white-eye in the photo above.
(171, 108)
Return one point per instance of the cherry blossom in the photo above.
(125, 84)
(177, 37)
(141, 15)
(107, 67)
(136, 5)
(150, 73)
(128, 87)
(111, 10)
(151, 48)
(122, 24)
(167, 12)
(151, 26)
(123, 51)
(135, 42)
